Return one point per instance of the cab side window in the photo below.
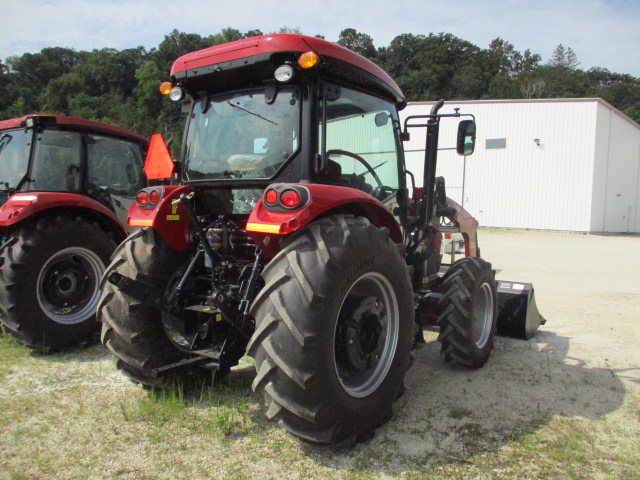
(114, 166)
(361, 143)
(57, 161)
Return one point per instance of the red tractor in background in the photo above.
(65, 187)
(294, 238)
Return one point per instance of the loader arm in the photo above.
(467, 225)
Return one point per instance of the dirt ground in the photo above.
(75, 416)
(584, 362)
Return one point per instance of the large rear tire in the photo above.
(334, 327)
(468, 312)
(131, 330)
(49, 281)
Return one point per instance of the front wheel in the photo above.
(49, 281)
(334, 327)
(468, 313)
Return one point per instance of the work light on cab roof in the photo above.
(282, 74)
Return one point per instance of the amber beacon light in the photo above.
(308, 60)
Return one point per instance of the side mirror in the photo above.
(381, 119)
(259, 146)
(466, 137)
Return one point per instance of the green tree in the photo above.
(425, 67)
(564, 57)
(620, 90)
(253, 33)
(9, 92)
(174, 46)
(121, 87)
(31, 73)
(286, 29)
(153, 112)
(99, 87)
(17, 108)
(358, 42)
(559, 78)
(226, 35)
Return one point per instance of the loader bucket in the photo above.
(518, 314)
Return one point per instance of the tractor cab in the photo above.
(98, 164)
(287, 109)
(256, 138)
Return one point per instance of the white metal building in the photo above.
(561, 164)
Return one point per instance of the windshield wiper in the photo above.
(22, 181)
(237, 105)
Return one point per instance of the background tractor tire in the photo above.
(334, 328)
(468, 312)
(133, 331)
(49, 281)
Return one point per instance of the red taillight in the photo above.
(447, 236)
(142, 198)
(271, 197)
(154, 196)
(290, 198)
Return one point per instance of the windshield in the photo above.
(241, 135)
(15, 146)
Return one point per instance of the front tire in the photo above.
(49, 277)
(468, 312)
(131, 330)
(334, 327)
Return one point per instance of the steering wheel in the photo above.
(369, 168)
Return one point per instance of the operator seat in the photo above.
(334, 175)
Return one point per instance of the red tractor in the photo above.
(65, 187)
(293, 238)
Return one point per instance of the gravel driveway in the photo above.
(565, 404)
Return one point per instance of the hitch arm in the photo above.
(139, 288)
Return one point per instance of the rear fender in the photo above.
(269, 224)
(168, 220)
(21, 206)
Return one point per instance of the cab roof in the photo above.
(73, 123)
(335, 59)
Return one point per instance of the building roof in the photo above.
(536, 100)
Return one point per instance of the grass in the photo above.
(205, 407)
(73, 415)
(12, 355)
(458, 412)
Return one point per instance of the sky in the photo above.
(602, 33)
